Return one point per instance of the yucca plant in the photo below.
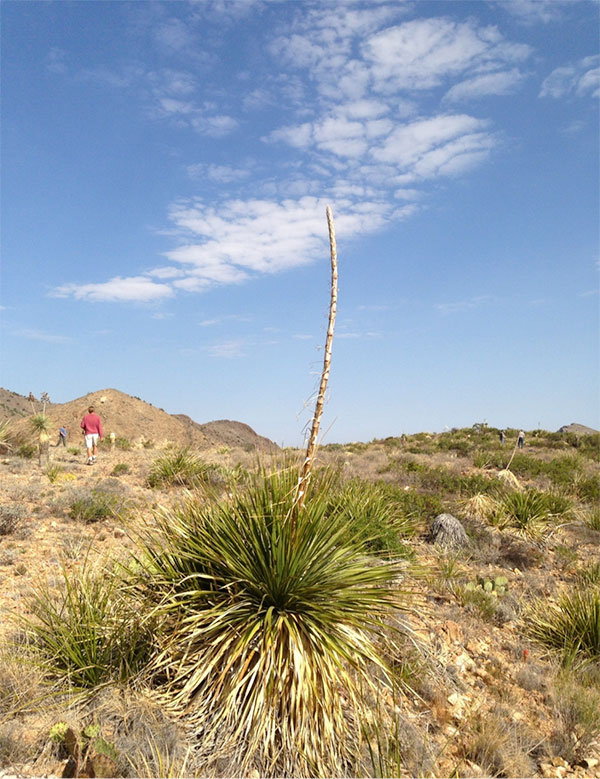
(571, 625)
(40, 423)
(88, 634)
(180, 468)
(269, 625)
(373, 513)
(524, 511)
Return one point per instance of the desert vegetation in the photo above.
(171, 612)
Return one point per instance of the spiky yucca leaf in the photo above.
(40, 423)
(268, 623)
(572, 625)
(523, 511)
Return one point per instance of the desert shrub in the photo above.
(373, 513)
(27, 451)
(500, 746)
(119, 469)
(74, 450)
(147, 443)
(576, 707)
(11, 516)
(571, 625)
(562, 471)
(96, 505)
(123, 443)
(287, 604)
(420, 508)
(528, 467)
(484, 459)
(182, 468)
(89, 634)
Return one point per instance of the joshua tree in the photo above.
(41, 423)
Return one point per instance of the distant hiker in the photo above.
(62, 436)
(502, 437)
(521, 439)
(91, 426)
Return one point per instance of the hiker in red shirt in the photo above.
(91, 426)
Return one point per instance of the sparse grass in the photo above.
(571, 625)
(589, 575)
(123, 443)
(286, 604)
(477, 601)
(576, 704)
(499, 746)
(119, 469)
(74, 450)
(53, 472)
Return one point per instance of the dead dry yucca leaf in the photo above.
(481, 506)
(510, 478)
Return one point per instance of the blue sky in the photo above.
(165, 173)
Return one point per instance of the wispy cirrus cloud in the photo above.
(42, 335)
(460, 306)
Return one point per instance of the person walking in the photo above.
(91, 426)
(502, 437)
(62, 436)
(521, 439)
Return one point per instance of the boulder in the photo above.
(447, 531)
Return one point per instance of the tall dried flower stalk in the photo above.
(314, 432)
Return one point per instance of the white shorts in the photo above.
(91, 440)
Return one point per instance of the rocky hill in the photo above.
(134, 419)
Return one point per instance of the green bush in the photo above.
(27, 451)
(123, 443)
(268, 613)
(119, 469)
(96, 506)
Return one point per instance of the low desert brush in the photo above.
(269, 614)
(576, 706)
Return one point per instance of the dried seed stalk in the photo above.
(312, 441)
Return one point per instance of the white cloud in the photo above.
(40, 335)
(534, 11)
(499, 83)
(126, 290)
(581, 78)
(465, 305)
(424, 53)
(442, 145)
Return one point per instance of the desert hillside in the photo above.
(132, 419)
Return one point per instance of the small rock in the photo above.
(453, 630)
(118, 533)
(590, 762)
(448, 532)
